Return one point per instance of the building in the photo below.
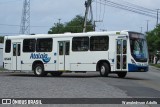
(1, 54)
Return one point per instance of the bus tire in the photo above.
(104, 70)
(56, 73)
(122, 74)
(39, 70)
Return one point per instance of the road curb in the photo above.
(154, 68)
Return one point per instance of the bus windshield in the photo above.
(138, 46)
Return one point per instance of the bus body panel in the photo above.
(86, 61)
(64, 58)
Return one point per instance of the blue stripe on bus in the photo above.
(136, 68)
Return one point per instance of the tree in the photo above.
(1, 39)
(57, 28)
(73, 26)
(153, 40)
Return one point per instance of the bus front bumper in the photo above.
(137, 68)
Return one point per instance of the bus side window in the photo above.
(44, 45)
(8, 46)
(29, 45)
(80, 43)
(99, 43)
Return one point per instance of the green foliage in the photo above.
(153, 40)
(73, 26)
(57, 28)
(2, 69)
(1, 39)
(156, 65)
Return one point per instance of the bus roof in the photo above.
(69, 34)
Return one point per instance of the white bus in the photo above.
(106, 52)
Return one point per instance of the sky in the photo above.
(44, 13)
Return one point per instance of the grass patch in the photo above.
(155, 65)
(2, 69)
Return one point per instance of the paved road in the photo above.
(89, 85)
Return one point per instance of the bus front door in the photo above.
(121, 55)
(63, 57)
(16, 60)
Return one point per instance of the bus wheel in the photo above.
(39, 70)
(104, 70)
(56, 73)
(122, 74)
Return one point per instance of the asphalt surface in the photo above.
(87, 85)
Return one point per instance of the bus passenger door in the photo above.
(16, 60)
(63, 57)
(121, 55)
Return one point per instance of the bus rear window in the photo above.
(8, 46)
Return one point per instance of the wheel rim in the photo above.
(103, 70)
(38, 70)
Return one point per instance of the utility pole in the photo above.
(157, 15)
(59, 21)
(58, 25)
(147, 25)
(103, 30)
(94, 26)
(87, 5)
(25, 20)
(141, 29)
